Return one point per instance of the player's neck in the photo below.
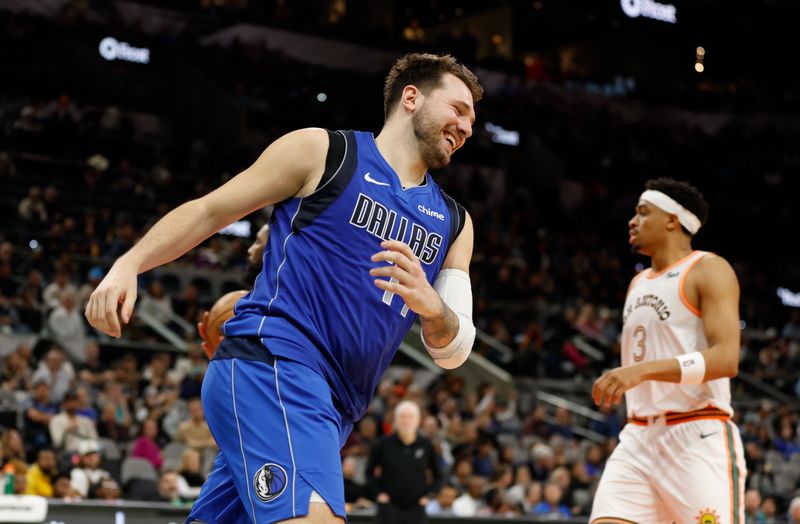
(401, 153)
(670, 253)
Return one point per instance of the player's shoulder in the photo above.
(712, 263)
(637, 277)
(712, 271)
(307, 137)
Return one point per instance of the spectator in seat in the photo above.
(146, 446)
(56, 372)
(88, 474)
(41, 474)
(13, 447)
(63, 490)
(38, 412)
(442, 505)
(194, 432)
(190, 477)
(68, 429)
(468, 504)
(551, 507)
(67, 327)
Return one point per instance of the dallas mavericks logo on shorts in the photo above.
(269, 482)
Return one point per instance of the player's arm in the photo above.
(289, 167)
(449, 335)
(444, 308)
(718, 298)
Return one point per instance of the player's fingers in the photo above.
(597, 394)
(393, 257)
(611, 394)
(127, 305)
(98, 319)
(110, 313)
(87, 313)
(391, 272)
(597, 389)
(618, 396)
(393, 287)
(402, 247)
(90, 306)
(201, 326)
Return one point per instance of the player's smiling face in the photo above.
(444, 121)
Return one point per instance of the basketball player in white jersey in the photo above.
(680, 458)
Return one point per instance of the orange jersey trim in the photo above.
(682, 285)
(653, 274)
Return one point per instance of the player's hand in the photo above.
(118, 287)
(202, 330)
(407, 278)
(609, 388)
(383, 498)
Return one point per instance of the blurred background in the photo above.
(113, 112)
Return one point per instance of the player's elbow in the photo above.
(732, 369)
(729, 366)
(452, 362)
(456, 352)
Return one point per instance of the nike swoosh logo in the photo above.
(373, 181)
(704, 435)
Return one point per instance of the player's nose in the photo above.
(464, 128)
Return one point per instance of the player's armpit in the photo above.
(289, 167)
(718, 294)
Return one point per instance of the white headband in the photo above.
(667, 204)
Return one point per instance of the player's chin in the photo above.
(441, 161)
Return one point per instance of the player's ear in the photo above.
(410, 98)
(673, 223)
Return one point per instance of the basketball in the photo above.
(220, 312)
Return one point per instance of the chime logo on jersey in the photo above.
(269, 482)
(651, 301)
(386, 224)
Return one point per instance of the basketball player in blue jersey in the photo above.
(362, 242)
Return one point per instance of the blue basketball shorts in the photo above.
(279, 435)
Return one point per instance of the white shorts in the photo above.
(684, 473)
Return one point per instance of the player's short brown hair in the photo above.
(425, 71)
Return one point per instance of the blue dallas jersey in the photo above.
(315, 300)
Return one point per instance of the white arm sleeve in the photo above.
(454, 287)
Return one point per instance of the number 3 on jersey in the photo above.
(641, 333)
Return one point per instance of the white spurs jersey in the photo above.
(658, 322)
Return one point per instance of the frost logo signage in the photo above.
(650, 9)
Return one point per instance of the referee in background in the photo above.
(403, 469)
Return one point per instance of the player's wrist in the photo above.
(438, 310)
(127, 263)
